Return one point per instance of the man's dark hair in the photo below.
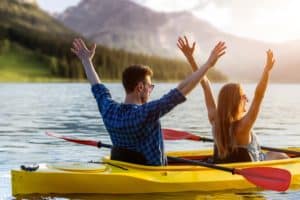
(134, 74)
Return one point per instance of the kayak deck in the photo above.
(116, 177)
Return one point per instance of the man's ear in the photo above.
(140, 87)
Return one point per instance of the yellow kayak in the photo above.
(116, 177)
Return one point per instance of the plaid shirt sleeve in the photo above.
(153, 110)
(103, 98)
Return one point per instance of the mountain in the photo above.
(24, 27)
(126, 25)
(116, 23)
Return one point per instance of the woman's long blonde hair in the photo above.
(227, 113)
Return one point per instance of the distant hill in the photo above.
(130, 26)
(25, 26)
(31, 42)
(15, 14)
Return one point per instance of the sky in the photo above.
(267, 20)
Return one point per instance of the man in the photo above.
(134, 125)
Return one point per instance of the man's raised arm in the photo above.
(86, 55)
(192, 80)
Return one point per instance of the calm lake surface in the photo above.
(28, 110)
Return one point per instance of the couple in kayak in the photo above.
(134, 125)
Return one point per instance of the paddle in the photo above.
(265, 177)
(170, 134)
(98, 144)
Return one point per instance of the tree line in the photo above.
(53, 49)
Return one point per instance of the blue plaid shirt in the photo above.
(137, 127)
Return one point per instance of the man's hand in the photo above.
(216, 53)
(86, 55)
(81, 51)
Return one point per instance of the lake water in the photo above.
(28, 110)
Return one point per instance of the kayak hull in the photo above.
(115, 177)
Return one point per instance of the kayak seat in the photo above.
(126, 155)
(239, 155)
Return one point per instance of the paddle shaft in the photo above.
(193, 162)
(190, 136)
(100, 144)
(176, 159)
(296, 153)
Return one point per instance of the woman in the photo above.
(231, 122)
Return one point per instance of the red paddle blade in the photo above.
(85, 142)
(267, 177)
(170, 134)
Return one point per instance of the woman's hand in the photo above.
(184, 46)
(270, 60)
